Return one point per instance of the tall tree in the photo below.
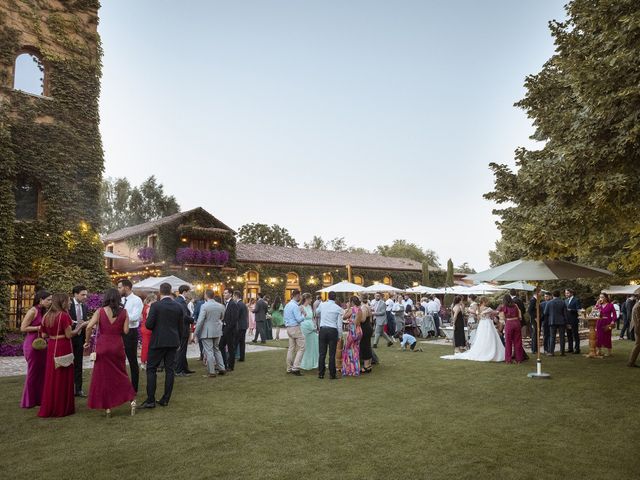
(316, 243)
(123, 205)
(405, 249)
(263, 234)
(578, 196)
(465, 268)
(449, 281)
(338, 244)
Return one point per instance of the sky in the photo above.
(369, 120)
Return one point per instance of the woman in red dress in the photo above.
(58, 391)
(36, 359)
(145, 333)
(110, 384)
(605, 324)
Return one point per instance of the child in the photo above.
(409, 340)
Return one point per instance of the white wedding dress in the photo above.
(487, 346)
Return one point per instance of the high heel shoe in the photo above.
(133, 407)
(108, 412)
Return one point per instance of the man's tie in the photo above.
(78, 312)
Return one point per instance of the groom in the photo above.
(166, 322)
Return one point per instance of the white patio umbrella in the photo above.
(539, 270)
(455, 290)
(112, 255)
(343, 287)
(485, 289)
(421, 289)
(622, 290)
(152, 284)
(520, 286)
(382, 288)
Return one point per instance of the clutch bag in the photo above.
(63, 360)
(39, 344)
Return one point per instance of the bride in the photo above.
(487, 346)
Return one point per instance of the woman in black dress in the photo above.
(457, 314)
(366, 352)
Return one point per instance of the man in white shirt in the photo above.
(433, 309)
(133, 305)
(330, 330)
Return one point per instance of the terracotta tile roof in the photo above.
(151, 226)
(246, 253)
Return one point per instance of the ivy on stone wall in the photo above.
(56, 142)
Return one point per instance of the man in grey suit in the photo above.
(209, 330)
(556, 313)
(380, 316)
(260, 311)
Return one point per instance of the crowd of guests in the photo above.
(559, 322)
(59, 333)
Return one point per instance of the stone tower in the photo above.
(51, 158)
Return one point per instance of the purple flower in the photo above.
(224, 257)
(147, 254)
(94, 302)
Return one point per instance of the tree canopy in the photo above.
(577, 197)
(405, 249)
(338, 244)
(263, 234)
(123, 205)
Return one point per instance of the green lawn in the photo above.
(415, 417)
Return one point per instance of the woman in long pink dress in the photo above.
(252, 316)
(351, 350)
(605, 324)
(110, 384)
(58, 392)
(36, 359)
(145, 333)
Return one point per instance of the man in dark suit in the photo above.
(573, 323)
(182, 367)
(78, 312)
(556, 313)
(627, 326)
(229, 330)
(166, 322)
(544, 322)
(243, 323)
(260, 310)
(532, 311)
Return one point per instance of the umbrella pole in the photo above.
(538, 373)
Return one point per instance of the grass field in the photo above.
(416, 416)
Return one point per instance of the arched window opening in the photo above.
(387, 280)
(29, 74)
(358, 279)
(327, 279)
(28, 198)
(253, 276)
(293, 280)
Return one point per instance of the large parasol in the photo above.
(538, 270)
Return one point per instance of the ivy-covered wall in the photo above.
(56, 142)
(310, 277)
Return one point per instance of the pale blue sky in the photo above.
(372, 120)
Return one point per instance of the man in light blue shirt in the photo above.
(292, 319)
(330, 330)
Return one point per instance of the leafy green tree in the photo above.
(123, 205)
(578, 196)
(316, 243)
(449, 281)
(263, 234)
(405, 249)
(338, 244)
(465, 268)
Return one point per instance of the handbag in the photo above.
(93, 355)
(62, 360)
(39, 343)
